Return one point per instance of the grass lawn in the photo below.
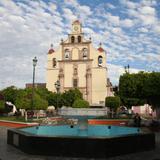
(14, 118)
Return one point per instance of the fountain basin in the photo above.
(72, 141)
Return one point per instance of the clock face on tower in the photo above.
(75, 28)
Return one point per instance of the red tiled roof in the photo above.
(51, 51)
(100, 49)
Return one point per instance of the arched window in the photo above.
(66, 54)
(72, 39)
(54, 63)
(75, 72)
(100, 60)
(79, 39)
(75, 83)
(84, 53)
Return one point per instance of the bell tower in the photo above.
(76, 27)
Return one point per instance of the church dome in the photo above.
(51, 50)
(100, 49)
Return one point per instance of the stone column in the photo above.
(61, 79)
(89, 85)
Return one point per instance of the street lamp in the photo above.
(33, 84)
(126, 68)
(57, 86)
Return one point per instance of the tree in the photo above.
(23, 99)
(140, 88)
(9, 94)
(39, 102)
(80, 103)
(152, 91)
(55, 99)
(70, 96)
(2, 106)
(113, 103)
(43, 92)
(131, 89)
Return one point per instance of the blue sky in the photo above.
(129, 31)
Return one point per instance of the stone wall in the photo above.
(83, 111)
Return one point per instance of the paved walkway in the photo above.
(8, 152)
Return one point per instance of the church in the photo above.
(77, 64)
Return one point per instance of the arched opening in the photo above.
(66, 54)
(79, 39)
(75, 82)
(84, 53)
(54, 63)
(72, 39)
(100, 60)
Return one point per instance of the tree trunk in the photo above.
(157, 112)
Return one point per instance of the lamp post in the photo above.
(33, 84)
(126, 68)
(57, 86)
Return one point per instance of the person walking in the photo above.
(137, 120)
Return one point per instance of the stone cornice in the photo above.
(78, 60)
(73, 44)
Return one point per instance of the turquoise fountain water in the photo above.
(82, 129)
(91, 131)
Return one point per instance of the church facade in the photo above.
(77, 64)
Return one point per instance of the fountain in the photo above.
(80, 140)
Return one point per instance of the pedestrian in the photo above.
(137, 120)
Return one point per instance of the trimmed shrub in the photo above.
(80, 103)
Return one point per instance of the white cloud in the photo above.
(127, 23)
(88, 31)
(143, 29)
(129, 4)
(85, 10)
(147, 10)
(147, 20)
(149, 2)
(114, 20)
(109, 5)
(117, 30)
(68, 14)
(156, 28)
(71, 3)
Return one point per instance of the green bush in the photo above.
(2, 106)
(112, 102)
(70, 96)
(39, 102)
(80, 103)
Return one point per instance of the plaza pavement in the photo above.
(8, 152)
